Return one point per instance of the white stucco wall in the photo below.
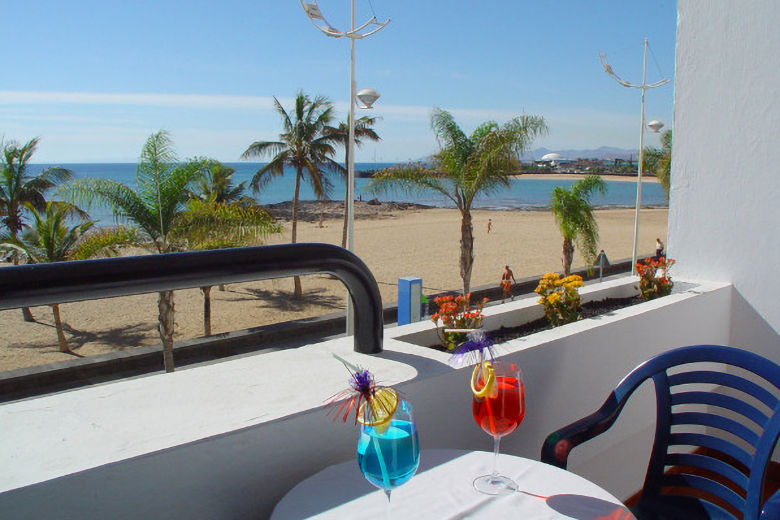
(725, 193)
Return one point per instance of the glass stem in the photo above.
(496, 441)
(387, 492)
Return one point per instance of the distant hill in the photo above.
(603, 152)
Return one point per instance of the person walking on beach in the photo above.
(490, 224)
(659, 248)
(507, 279)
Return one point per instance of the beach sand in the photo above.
(391, 240)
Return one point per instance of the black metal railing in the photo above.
(63, 282)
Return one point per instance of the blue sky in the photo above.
(93, 79)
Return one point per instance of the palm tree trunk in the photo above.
(346, 197)
(466, 249)
(568, 256)
(298, 293)
(206, 310)
(55, 309)
(165, 327)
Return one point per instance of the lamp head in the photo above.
(655, 125)
(367, 97)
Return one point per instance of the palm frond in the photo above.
(106, 242)
(411, 178)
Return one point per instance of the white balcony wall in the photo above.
(227, 440)
(725, 198)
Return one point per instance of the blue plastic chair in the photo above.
(713, 476)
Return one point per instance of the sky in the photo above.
(93, 79)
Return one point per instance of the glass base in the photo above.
(495, 485)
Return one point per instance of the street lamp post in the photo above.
(644, 87)
(367, 96)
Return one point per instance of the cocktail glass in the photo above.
(498, 406)
(388, 454)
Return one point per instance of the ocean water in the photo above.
(522, 193)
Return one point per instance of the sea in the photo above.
(526, 194)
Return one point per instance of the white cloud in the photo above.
(14, 97)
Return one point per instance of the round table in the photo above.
(442, 489)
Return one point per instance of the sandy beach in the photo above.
(393, 240)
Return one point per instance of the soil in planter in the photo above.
(588, 310)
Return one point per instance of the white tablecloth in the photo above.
(442, 489)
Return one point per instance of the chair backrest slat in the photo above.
(725, 379)
(711, 464)
(722, 401)
(713, 443)
(703, 484)
(715, 421)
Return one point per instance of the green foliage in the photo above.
(160, 195)
(465, 167)
(363, 130)
(213, 223)
(106, 242)
(560, 298)
(658, 161)
(304, 144)
(18, 187)
(575, 219)
(214, 183)
(51, 239)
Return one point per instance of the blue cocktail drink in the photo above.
(389, 456)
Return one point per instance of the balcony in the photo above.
(228, 439)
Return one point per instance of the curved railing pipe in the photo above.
(44, 284)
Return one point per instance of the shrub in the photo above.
(560, 298)
(455, 312)
(651, 285)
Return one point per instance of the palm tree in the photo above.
(574, 217)
(363, 130)
(152, 207)
(50, 239)
(305, 145)
(157, 208)
(464, 167)
(215, 184)
(18, 187)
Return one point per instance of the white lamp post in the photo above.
(367, 97)
(644, 86)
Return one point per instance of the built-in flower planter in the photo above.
(523, 310)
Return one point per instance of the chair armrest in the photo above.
(771, 509)
(556, 447)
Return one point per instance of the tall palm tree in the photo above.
(18, 186)
(51, 239)
(574, 217)
(363, 130)
(158, 209)
(464, 167)
(304, 145)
